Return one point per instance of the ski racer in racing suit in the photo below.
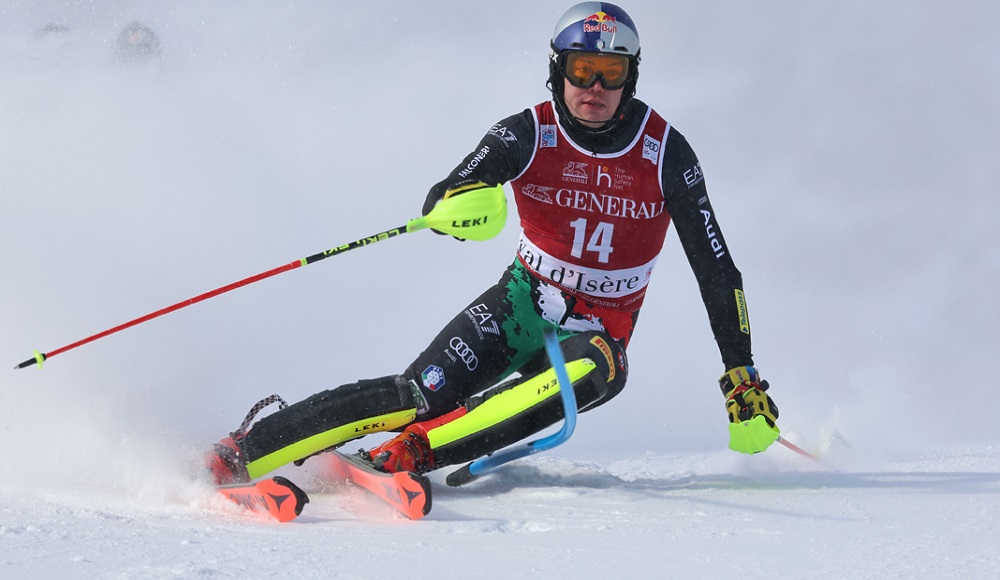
(598, 176)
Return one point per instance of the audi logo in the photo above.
(464, 352)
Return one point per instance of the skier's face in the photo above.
(593, 106)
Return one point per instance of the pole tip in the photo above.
(38, 359)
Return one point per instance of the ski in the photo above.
(276, 497)
(408, 493)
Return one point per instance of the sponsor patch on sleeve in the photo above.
(741, 310)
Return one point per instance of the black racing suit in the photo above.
(500, 332)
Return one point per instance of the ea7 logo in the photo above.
(693, 176)
(502, 132)
(482, 318)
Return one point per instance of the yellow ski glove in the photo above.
(752, 413)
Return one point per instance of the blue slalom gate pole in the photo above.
(480, 466)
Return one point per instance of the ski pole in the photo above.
(476, 215)
(796, 448)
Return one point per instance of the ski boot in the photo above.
(409, 451)
(224, 463)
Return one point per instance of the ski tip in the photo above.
(277, 497)
(424, 485)
(301, 499)
(412, 497)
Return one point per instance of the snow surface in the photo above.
(850, 150)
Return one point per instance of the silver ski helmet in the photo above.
(594, 27)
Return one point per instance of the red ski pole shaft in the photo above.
(40, 357)
(478, 215)
(797, 449)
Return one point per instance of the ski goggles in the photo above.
(583, 69)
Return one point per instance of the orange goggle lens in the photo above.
(582, 69)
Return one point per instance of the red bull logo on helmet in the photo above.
(600, 22)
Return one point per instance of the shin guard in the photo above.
(515, 410)
(327, 419)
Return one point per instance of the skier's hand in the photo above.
(436, 196)
(752, 413)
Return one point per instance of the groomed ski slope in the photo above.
(647, 515)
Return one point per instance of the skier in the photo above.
(597, 176)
